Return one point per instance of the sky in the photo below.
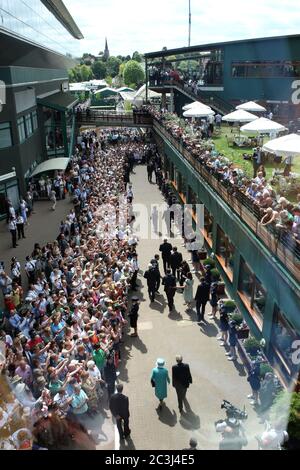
(148, 26)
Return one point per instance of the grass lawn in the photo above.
(235, 154)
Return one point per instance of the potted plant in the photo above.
(228, 305)
(209, 262)
(215, 275)
(237, 317)
(221, 288)
(265, 368)
(252, 346)
(202, 255)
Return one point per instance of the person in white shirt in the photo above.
(16, 271)
(13, 230)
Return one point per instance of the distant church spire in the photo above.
(106, 54)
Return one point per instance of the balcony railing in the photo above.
(285, 248)
(114, 118)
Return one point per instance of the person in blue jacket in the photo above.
(160, 380)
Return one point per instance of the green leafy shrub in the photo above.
(286, 409)
(215, 274)
(229, 303)
(252, 346)
(209, 262)
(265, 369)
(237, 317)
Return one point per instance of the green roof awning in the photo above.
(60, 101)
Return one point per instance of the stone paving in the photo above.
(164, 335)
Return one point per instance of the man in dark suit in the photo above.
(202, 297)
(181, 380)
(169, 281)
(166, 250)
(175, 262)
(155, 264)
(151, 276)
(119, 407)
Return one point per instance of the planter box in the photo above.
(221, 289)
(243, 334)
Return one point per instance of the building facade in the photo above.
(37, 117)
(266, 69)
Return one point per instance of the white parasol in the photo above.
(251, 106)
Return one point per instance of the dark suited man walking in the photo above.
(169, 281)
(151, 276)
(202, 297)
(166, 250)
(181, 380)
(175, 262)
(155, 264)
(119, 407)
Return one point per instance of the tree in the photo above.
(121, 69)
(137, 57)
(86, 73)
(113, 65)
(99, 69)
(133, 73)
(72, 76)
(109, 80)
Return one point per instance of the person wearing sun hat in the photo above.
(159, 380)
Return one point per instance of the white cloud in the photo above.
(149, 26)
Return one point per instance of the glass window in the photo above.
(225, 249)
(21, 129)
(267, 69)
(259, 297)
(208, 224)
(29, 129)
(246, 280)
(283, 336)
(34, 120)
(5, 135)
(251, 287)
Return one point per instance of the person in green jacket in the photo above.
(159, 379)
(99, 357)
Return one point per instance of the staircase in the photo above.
(209, 98)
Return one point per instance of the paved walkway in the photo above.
(161, 335)
(164, 335)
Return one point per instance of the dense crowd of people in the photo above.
(60, 340)
(257, 193)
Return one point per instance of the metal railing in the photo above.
(114, 118)
(281, 243)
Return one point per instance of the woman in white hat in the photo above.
(160, 380)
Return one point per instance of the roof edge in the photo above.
(215, 44)
(62, 14)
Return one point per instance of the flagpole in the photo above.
(190, 23)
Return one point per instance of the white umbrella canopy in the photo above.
(199, 111)
(195, 104)
(288, 145)
(263, 126)
(251, 106)
(239, 116)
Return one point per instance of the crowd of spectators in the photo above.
(257, 193)
(60, 340)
